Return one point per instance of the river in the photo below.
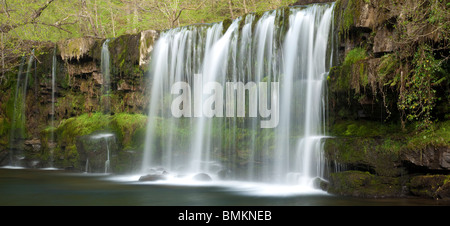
(37, 187)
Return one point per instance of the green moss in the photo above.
(373, 145)
(438, 136)
(348, 11)
(129, 129)
(378, 146)
(73, 48)
(363, 128)
(3, 126)
(226, 24)
(84, 124)
(352, 74)
(258, 15)
(363, 184)
(429, 186)
(355, 55)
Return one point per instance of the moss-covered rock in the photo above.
(80, 138)
(98, 152)
(431, 186)
(364, 184)
(126, 53)
(130, 129)
(75, 48)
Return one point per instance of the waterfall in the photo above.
(52, 132)
(107, 164)
(86, 167)
(242, 101)
(106, 84)
(18, 122)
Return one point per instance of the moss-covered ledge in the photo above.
(364, 185)
(431, 186)
(365, 153)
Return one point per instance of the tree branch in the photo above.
(5, 28)
(54, 25)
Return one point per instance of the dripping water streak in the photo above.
(52, 133)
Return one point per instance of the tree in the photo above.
(14, 18)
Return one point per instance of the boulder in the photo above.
(431, 186)
(320, 183)
(152, 177)
(202, 177)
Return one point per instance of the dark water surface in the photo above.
(31, 187)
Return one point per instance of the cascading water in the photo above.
(18, 123)
(106, 137)
(276, 63)
(52, 132)
(106, 85)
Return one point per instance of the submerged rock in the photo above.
(202, 177)
(152, 177)
(320, 183)
(224, 174)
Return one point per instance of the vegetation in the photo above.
(413, 78)
(22, 23)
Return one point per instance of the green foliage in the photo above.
(438, 135)
(346, 18)
(351, 74)
(24, 25)
(387, 70)
(415, 76)
(355, 55)
(419, 96)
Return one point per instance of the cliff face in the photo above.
(389, 95)
(79, 87)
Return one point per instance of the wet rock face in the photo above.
(147, 40)
(202, 177)
(383, 42)
(95, 150)
(152, 177)
(432, 158)
(78, 89)
(76, 48)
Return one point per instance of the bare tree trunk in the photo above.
(112, 20)
(89, 17)
(231, 9)
(245, 7)
(135, 16)
(96, 15)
